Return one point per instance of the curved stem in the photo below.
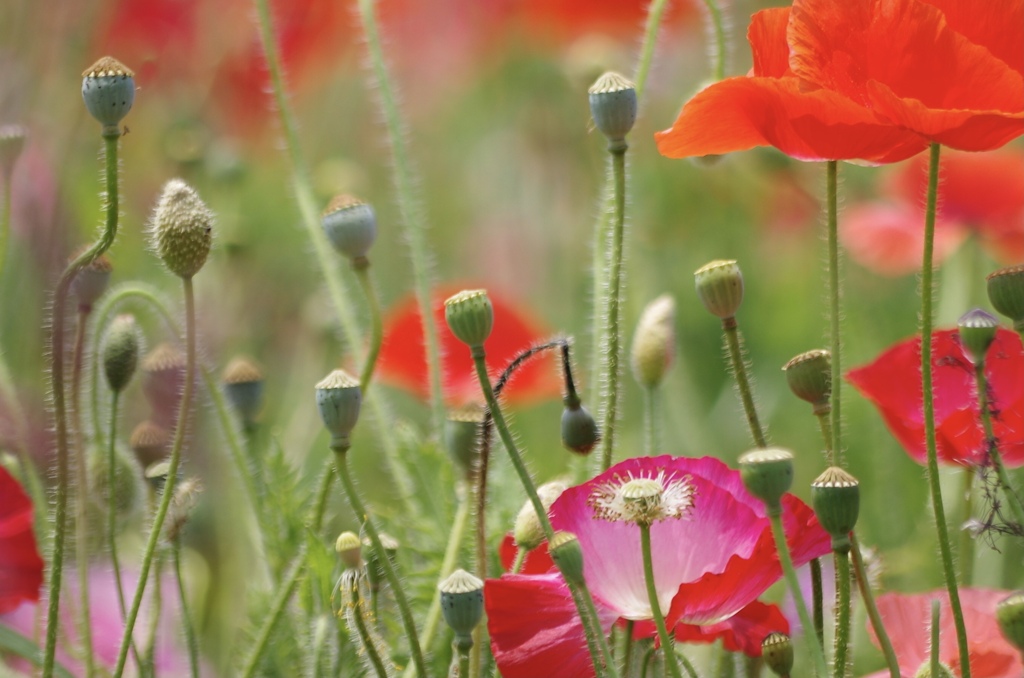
(81, 494)
(613, 333)
(872, 609)
(835, 296)
(739, 370)
(819, 606)
(842, 640)
(667, 643)
(718, 32)
(186, 618)
(927, 321)
(993, 446)
(364, 633)
(376, 324)
(966, 550)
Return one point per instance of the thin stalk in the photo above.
(172, 472)
(667, 643)
(834, 297)
(993, 446)
(81, 493)
(690, 671)
(651, 444)
(410, 207)
(775, 516)
(927, 321)
(819, 606)
(517, 564)
(739, 369)
(463, 663)
(717, 26)
(613, 333)
(933, 651)
(110, 137)
(872, 609)
(364, 633)
(186, 618)
(966, 550)
(156, 608)
(842, 639)
(5, 218)
(627, 651)
(587, 622)
(825, 424)
(361, 269)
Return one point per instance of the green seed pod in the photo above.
(613, 105)
(12, 141)
(565, 550)
(462, 604)
(720, 287)
(350, 225)
(470, 317)
(836, 498)
(1006, 292)
(926, 671)
(579, 429)
(767, 474)
(1010, 615)
(462, 436)
(108, 90)
(339, 398)
(809, 376)
(348, 548)
(777, 652)
(374, 568)
(182, 229)
(654, 343)
(151, 443)
(243, 385)
(91, 281)
(527, 532)
(121, 348)
(977, 332)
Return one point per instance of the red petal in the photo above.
(740, 633)
(537, 561)
(767, 38)
(985, 24)
(889, 239)
(21, 568)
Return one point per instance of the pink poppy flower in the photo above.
(888, 238)
(907, 618)
(21, 568)
(713, 556)
(893, 383)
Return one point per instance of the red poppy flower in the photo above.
(403, 361)
(893, 383)
(907, 619)
(773, 107)
(888, 238)
(537, 561)
(21, 568)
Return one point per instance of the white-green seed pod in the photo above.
(351, 226)
(339, 398)
(243, 385)
(470, 316)
(567, 554)
(349, 549)
(767, 474)
(462, 604)
(720, 287)
(108, 90)
(978, 330)
(777, 651)
(835, 495)
(926, 671)
(613, 105)
(182, 229)
(527, 531)
(121, 347)
(654, 343)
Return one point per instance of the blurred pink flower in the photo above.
(888, 238)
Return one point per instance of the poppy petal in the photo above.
(537, 561)
(888, 238)
(742, 632)
(767, 38)
(21, 567)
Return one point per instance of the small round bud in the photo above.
(720, 287)
(654, 342)
(12, 141)
(182, 229)
(348, 548)
(777, 652)
(470, 316)
(243, 385)
(579, 429)
(836, 498)
(108, 90)
(374, 568)
(150, 443)
(613, 105)
(121, 347)
(926, 671)
(1010, 615)
(462, 604)
(92, 281)
(977, 332)
(767, 474)
(528, 533)
(462, 436)
(1006, 292)
(565, 551)
(350, 225)
(339, 398)
(809, 376)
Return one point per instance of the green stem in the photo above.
(463, 663)
(341, 464)
(81, 494)
(966, 550)
(651, 444)
(739, 370)
(718, 31)
(927, 320)
(156, 607)
(864, 585)
(361, 269)
(667, 643)
(410, 207)
(106, 239)
(5, 218)
(825, 424)
(819, 606)
(933, 651)
(172, 472)
(364, 633)
(517, 564)
(842, 640)
(186, 618)
(627, 651)
(775, 516)
(613, 333)
(834, 296)
(992, 444)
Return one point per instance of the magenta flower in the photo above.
(713, 555)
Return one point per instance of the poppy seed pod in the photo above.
(462, 603)
(243, 385)
(977, 332)
(121, 347)
(654, 342)
(182, 229)
(12, 141)
(767, 474)
(351, 226)
(809, 376)
(150, 443)
(835, 495)
(349, 548)
(579, 429)
(567, 554)
(527, 532)
(461, 435)
(1010, 615)
(92, 281)
(163, 378)
(613, 105)
(926, 671)
(1006, 292)
(720, 287)
(108, 90)
(338, 397)
(777, 651)
(470, 317)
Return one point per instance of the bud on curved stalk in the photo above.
(470, 317)
(351, 226)
(338, 397)
(243, 385)
(613, 105)
(108, 90)
(777, 651)
(1006, 292)
(720, 287)
(182, 229)
(462, 604)
(120, 352)
(579, 429)
(977, 332)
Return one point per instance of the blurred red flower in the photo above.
(403, 361)
(21, 568)
(888, 238)
(893, 383)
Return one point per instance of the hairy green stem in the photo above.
(156, 607)
(933, 650)
(667, 643)
(613, 332)
(992, 444)
(739, 369)
(361, 269)
(651, 444)
(927, 321)
(842, 639)
(463, 663)
(517, 564)
(5, 218)
(627, 650)
(826, 435)
(717, 30)
(864, 585)
(81, 494)
(186, 618)
(356, 602)
(835, 296)
(966, 550)
(819, 603)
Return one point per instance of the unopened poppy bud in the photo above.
(528, 533)
(977, 332)
(12, 141)
(1010, 615)
(350, 225)
(809, 376)
(613, 105)
(348, 547)
(1006, 292)
(926, 671)
(182, 229)
(462, 604)
(462, 435)
(654, 342)
(836, 498)
(108, 90)
(720, 287)
(243, 385)
(470, 317)
(565, 551)
(91, 281)
(767, 474)
(374, 568)
(121, 347)
(150, 443)
(579, 429)
(183, 503)
(777, 652)
(339, 398)
(156, 475)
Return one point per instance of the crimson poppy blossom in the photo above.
(907, 618)
(893, 383)
(21, 568)
(403, 361)
(710, 564)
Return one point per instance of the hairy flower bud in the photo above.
(182, 229)
(121, 347)
(528, 533)
(108, 90)
(567, 554)
(654, 342)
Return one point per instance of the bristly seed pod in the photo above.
(613, 105)
(470, 317)
(182, 229)
(777, 651)
(978, 330)
(527, 532)
(809, 376)
(163, 379)
(654, 343)
(12, 141)
(338, 397)
(1006, 292)
(108, 90)
(243, 385)
(91, 281)
(768, 474)
(351, 226)
(567, 554)
(121, 348)
(835, 495)
(150, 443)
(720, 287)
